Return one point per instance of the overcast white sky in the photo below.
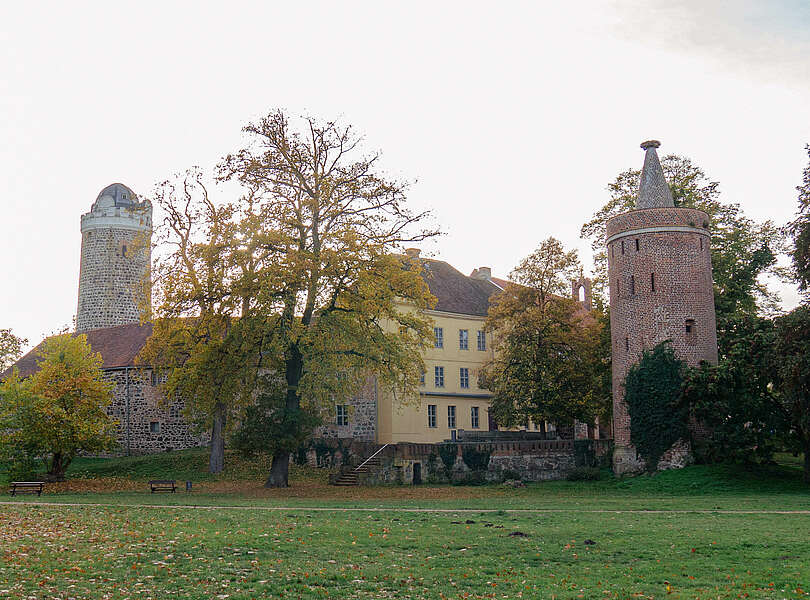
(512, 116)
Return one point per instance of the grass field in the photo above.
(255, 543)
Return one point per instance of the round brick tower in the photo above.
(116, 254)
(660, 279)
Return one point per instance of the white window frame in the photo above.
(482, 341)
(431, 412)
(438, 334)
(463, 339)
(464, 377)
(451, 416)
(438, 376)
(341, 415)
(475, 418)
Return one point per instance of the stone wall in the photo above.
(146, 422)
(362, 414)
(115, 261)
(535, 460)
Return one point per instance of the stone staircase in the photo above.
(353, 476)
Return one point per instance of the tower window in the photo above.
(691, 331)
(627, 344)
(124, 250)
(154, 427)
(636, 244)
(652, 282)
(622, 246)
(701, 244)
(632, 285)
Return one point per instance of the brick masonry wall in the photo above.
(659, 280)
(146, 406)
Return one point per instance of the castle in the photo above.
(660, 282)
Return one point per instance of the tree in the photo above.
(742, 249)
(11, 348)
(658, 416)
(335, 302)
(735, 400)
(208, 356)
(800, 230)
(548, 364)
(59, 411)
(793, 360)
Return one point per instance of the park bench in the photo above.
(27, 487)
(163, 485)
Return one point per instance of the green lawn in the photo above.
(273, 544)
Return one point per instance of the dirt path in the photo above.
(411, 510)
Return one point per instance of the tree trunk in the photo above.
(216, 462)
(280, 467)
(279, 471)
(59, 464)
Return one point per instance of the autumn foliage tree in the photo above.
(59, 411)
(548, 363)
(11, 348)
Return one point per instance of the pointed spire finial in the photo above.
(653, 191)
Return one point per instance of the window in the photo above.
(482, 341)
(652, 282)
(632, 285)
(438, 376)
(154, 378)
(422, 378)
(464, 377)
(701, 244)
(438, 332)
(451, 417)
(622, 246)
(627, 344)
(154, 427)
(474, 422)
(342, 415)
(124, 250)
(431, 415)
(636, 244)
(463, 339)
(691, 331)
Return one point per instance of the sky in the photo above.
(510, 118)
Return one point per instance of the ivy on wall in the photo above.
(658, 417)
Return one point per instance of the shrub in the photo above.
(584, 474)
(509, 474)
(448, 452)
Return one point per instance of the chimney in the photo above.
(484, 273)
(412, 252)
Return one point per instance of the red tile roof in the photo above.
(118, 347)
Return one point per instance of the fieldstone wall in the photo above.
(146, 423)
(115, 260)
(362, 425)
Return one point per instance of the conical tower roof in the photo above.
(653, 191)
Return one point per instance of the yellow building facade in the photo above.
(450, 397)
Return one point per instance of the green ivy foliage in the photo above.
(475, 459)
(658, 417)
(448, 452)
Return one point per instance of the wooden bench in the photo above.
(163, 485)
(27, 487)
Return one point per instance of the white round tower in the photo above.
(116, 254)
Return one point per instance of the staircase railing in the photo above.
(363, 464)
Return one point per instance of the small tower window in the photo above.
(124, 250)
(622, 246)
(691, 331)
(701, 244)
(636, 244)
(154, 427)
(652, 282)
(627, 344)
(632, 285)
